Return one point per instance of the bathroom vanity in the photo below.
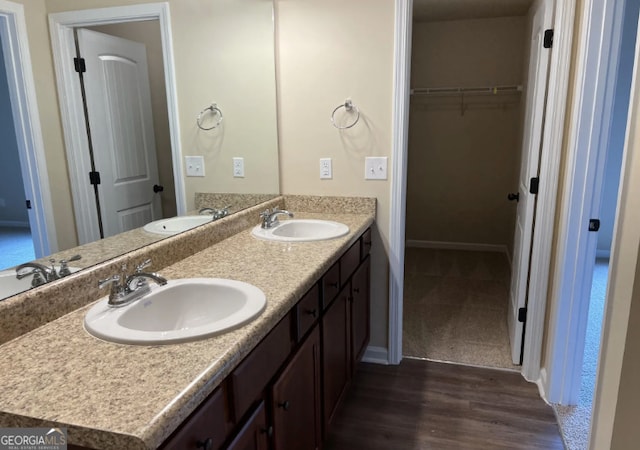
(275, 382)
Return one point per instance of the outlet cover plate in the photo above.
(326, 170)
(375, 168)
(238, 167)
(195, 166)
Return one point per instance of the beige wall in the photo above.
(461, 166)
(148, 33)
(329, 50)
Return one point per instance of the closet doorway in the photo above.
(474, 139)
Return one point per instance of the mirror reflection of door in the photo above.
(16, 243)
(120, 119)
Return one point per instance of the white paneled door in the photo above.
(118, 102)
(530, 161)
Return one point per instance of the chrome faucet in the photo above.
(43, 274)
(216, 213)
(270, 218)
(126, 289)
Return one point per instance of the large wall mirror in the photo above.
(164, 82)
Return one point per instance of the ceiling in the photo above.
(437, 10)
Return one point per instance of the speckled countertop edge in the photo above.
(101, 413)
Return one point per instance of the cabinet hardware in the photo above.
(268, 431)
(511, 197)
(284, 405)
(333, 285)
(356, 290)
(207, 444)
(312, 312)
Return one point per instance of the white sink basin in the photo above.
(10, 285)
(175, 225)
(302, 230)
(182, 310)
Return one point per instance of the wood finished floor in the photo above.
(428, 405)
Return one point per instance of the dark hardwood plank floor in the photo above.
(427, 405)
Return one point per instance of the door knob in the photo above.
(158, 188)
(513, 196)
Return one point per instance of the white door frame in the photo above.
(61, 27)
(549, 173)
(26, 117)
(585, 161)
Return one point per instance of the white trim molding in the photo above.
(26, 116)
(402, 72)
(61, 26)
(376, 355)
(586, 153)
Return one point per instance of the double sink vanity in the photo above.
(262, 363)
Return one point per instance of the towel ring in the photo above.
(215, 111)
(348, 106)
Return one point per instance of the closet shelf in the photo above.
(480, 90)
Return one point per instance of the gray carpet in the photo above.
(575, 421)
(16, 246)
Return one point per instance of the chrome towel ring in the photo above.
(349, 107)
(215, 111)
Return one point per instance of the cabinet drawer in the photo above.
(207, 427)
(349, 262)
(365, 242)
(307, 312)
(252, 375)
(254, 435)
(330, 284)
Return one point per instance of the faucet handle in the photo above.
(142, 265)
(113, 281)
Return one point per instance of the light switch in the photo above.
(238, 167)
(375, 168)
(195, 166)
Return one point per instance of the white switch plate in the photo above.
(375, 168)
(238, 167)
(195, 166)
(326, 171)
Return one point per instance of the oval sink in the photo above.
(182, 310)
(302, 230)
(175, 225)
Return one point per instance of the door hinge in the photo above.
(94, 177)
(548, 39)
(28, 204)
(79, 65)
(522, 315)
(534, 184)
(594, 224)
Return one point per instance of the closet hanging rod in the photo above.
(484, 90)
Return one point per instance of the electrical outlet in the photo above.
(375, 168)
(238, 167)
(326, 172)
(195, 166)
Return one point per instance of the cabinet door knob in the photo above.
(312, 312)
(284, 405)
(333, 285)
(207, 444)
(356, 290)
(268, 431)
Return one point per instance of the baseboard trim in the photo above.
(541, 382)
(376, 355)
(603, 253)
(14, 224)
(457, 246)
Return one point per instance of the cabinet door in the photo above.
(296, 399)
(336, 353)
(360, 310)
(254, 435)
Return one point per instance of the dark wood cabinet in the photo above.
(285, 393)
(255, 433)
(296, 399)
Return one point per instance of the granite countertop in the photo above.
(125, 396)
